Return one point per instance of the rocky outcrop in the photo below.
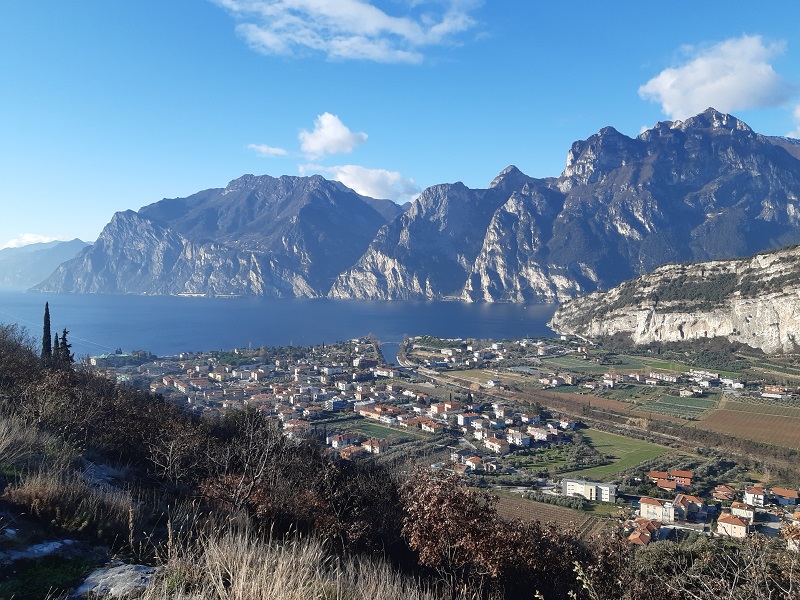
(428, 251)
(755, 301)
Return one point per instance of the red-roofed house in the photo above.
(656, 510)
(740, 509)
(723, 492)
(735, 527)
(682, 478)
(785, 497)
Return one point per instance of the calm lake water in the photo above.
(168, 325)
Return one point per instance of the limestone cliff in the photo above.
(755, 301)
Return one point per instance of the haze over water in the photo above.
(167, 325)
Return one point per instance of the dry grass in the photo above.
(71, 503)
(22, 445)
(239, 566)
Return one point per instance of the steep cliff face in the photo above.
(428, 251)
(708, 187)
(150, 259)
(512, 265)
(265, 236)
(754, 300)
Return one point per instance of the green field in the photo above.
(626, 452)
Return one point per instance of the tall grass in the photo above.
(238, 565)
(69, 502)
(22, 445)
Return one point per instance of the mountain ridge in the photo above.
(703, 188)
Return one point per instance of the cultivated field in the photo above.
(767, 427)
(511, 507)
(625, 452)
(678, 407)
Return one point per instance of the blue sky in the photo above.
(108, 106)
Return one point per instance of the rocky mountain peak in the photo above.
(589, 160)
(508, 175)
(712, 119)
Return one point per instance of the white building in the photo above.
(604, 492)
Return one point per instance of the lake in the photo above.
(168, 325)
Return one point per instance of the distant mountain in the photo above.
(279, 237)
(704, 188)
(707, 187)
(749, 300)
(22, 267)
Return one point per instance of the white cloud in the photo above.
(796, 133)
(28, 238)
(266, 151)
(375, 183)
(729, 76)
(330, 136)
(349, 29)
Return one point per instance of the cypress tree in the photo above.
(56, 349)
(47, 350)
(65, 356)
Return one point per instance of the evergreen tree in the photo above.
(65, 357)
(56, 348)
(47, 350)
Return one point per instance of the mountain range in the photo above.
(23, 267)
(708, 187)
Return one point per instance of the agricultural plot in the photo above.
(757, 422)
(570, 363)
(625, 452)
(691, 408)
(764, 408)
(512, 507)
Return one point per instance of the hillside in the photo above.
(753, 301)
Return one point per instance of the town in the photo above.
(546, 423)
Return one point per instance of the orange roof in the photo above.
(667, 485)
(652, 501)
(784, 493)
(741, 505)
(731, 520)
(639, 537)
(679, 473)
(658, 474)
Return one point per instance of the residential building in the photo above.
(740, 509)
(735, 527)
(604, 492)
(785, 497)
(755, 496)
(656, 510)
